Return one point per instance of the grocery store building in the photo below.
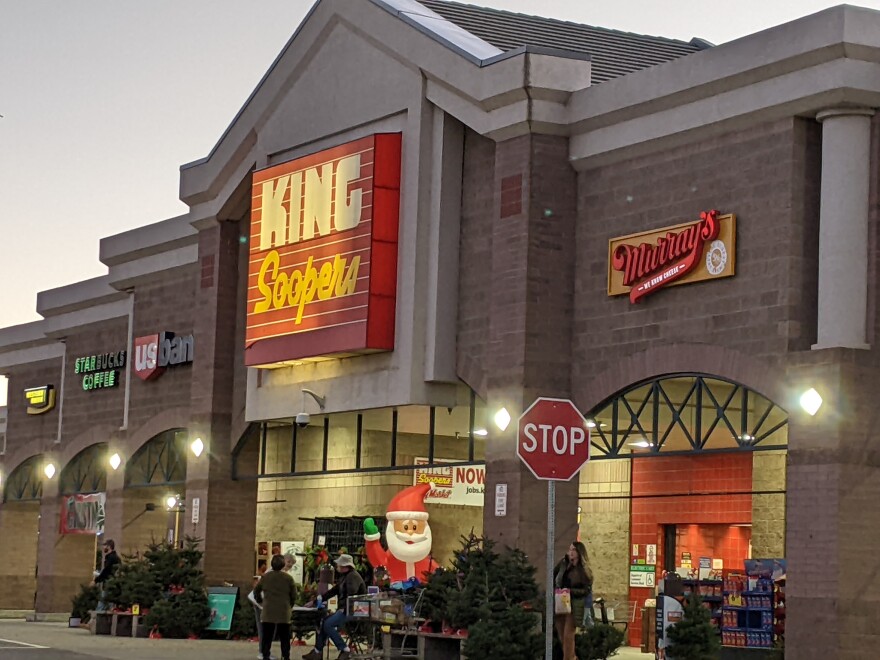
(428, 212)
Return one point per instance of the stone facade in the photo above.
(768, 510)
(604, 498)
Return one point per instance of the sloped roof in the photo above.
(613, 53)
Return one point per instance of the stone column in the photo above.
(532, 275)
(843, 228)
(114, 507)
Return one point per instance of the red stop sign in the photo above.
(553, 439)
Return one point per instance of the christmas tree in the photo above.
(512, 632)
(491, 596)
(694, 637)
(167, 584)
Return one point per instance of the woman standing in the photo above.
(573, 573)
(276, 592)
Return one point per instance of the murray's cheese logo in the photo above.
(642, 264)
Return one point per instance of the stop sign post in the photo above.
(553, 440)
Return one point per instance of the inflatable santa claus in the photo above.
(408, 536)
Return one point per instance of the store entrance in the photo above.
(687, 472)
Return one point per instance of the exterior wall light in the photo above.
(115, 461)
(591, 424)
(171, 502)
(502, 419)
(481, 432)
(811, 401)
(197, 447)
(49, 470)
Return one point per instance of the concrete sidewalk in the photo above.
(64, 642)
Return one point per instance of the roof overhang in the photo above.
(499, 94)
(828, 59)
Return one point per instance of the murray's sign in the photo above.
(640, 264)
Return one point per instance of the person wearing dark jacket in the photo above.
(111, 563)
(276, 591)
(350, 584)
(573, 573)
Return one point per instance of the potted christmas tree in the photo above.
(694, 637)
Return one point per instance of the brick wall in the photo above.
(474, 286)
(212, 414)
(18, 554)
(163, 304)
(141, 527)
(76, 568)
(27, 435)
(99, 409)
(767, 175)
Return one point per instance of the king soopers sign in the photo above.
(322, 275)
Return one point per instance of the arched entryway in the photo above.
(683, 466)
(82, 486)
(22, 490)
(155, 472)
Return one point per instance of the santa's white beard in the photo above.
(409, 553)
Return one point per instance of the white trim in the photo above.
(406, 515)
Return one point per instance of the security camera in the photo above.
(303, 419)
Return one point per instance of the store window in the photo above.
(686, 413)
(160, 462)
(86, 472)
(24, 483)
(376, 440)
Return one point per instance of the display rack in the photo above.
(779, 609)
(710, 592)
(747, 611)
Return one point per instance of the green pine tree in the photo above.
(512, 632)
(694, 637)
(169, 583)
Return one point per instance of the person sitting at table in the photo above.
(276, 592)
(350, 584)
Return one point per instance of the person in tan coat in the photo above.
(276, 591)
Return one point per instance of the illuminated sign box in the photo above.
(322, 272)
(40, 399)
(641, 264)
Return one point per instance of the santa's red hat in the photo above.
(409, 504)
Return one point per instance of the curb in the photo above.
(49, 617)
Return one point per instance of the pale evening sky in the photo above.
(103, 100)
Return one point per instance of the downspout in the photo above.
(527, 88)
(128, 358)
(61, 390)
